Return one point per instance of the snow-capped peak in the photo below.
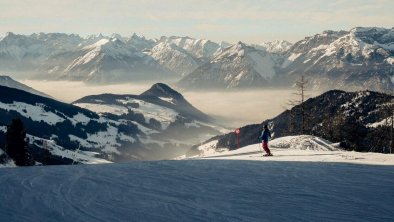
(138, 36)
(116, 36)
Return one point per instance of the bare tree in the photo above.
(301, 87)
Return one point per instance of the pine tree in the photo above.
(16, 145)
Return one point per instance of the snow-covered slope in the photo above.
(238, 66)
(303, 148)
(347, 117)
(9, 82)
(199, 190)
(70, 127)
(158, 124)
(47, 152)
(166, 116)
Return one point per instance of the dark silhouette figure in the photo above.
(16, 146)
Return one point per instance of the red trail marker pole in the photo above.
(238, 131)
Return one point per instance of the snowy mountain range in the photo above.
(361, 58)
(357, 120)
(157, 124)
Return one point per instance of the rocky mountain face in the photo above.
(157, 124)
(360, 121)
(238, 66)
(175, 58)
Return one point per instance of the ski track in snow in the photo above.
(198, 190)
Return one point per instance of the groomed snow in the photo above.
(198, 190)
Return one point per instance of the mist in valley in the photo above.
(229, 108)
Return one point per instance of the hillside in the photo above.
(353, 118)
(158, 124)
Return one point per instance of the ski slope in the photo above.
(198, 190)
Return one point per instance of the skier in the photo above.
(265, 135)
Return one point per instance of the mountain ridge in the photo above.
(357, 59)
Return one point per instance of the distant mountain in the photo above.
(238, 66)
(139, 42)
(356, 119)
(199, 48)
(9, 82)
(361, 58)
(112, 60)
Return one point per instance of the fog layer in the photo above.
(231, 109)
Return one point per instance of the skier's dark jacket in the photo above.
(265, 135)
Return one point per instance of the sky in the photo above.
(251, 21)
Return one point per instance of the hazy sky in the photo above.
(252, 21)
